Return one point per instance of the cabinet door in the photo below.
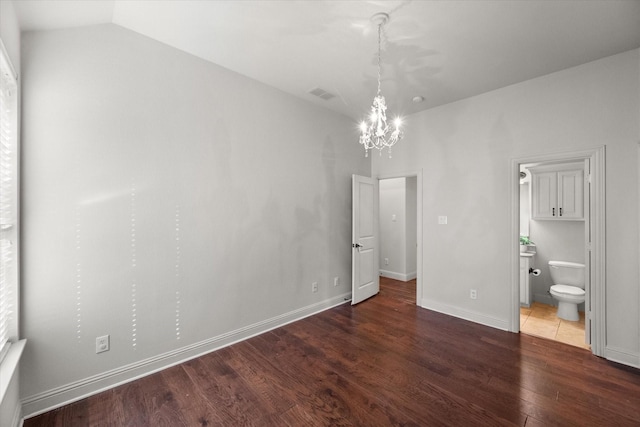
(525, 293)
(570, 195)
(523, 285)
(545, 195)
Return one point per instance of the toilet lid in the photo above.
(569, 290)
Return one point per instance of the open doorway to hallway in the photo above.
(399, 229)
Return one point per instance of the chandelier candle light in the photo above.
(377, 133)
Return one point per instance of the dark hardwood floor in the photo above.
(383, 362)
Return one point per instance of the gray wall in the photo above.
(411, 224)
(170, 203)
(392, 227)
(465, 150)
(525, 208)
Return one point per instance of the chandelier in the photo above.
(377, 133)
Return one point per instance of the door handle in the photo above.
(356, 245)
(560, 211)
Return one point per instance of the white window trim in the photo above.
(10, 232)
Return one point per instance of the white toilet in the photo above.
(568, 287)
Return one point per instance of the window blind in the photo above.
(8, 203)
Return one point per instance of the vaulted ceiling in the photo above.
(442, 51)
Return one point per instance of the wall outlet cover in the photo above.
(102, 344)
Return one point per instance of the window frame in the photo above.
(9, 231)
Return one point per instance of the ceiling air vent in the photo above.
(321, 93)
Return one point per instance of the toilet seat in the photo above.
(566, 290)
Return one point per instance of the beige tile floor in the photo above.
(541, 320)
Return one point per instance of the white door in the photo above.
(365, 280)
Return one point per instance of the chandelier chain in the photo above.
(379, 57)
(377, 133)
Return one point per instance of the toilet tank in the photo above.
(567, 273)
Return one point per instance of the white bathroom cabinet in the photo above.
(526, 292)
(557, 192)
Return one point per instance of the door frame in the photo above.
(419, 223)
(598, 238)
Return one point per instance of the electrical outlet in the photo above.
(473, 294)
(336, 281)
(314, 287)
(102, 344)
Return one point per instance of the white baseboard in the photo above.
(544, 299)
(398, 276)
(60, 396)
(472, 316)
(622, 356)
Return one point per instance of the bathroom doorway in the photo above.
(579, 239)
(400, 229)
(548, 236)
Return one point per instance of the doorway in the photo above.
(400, 229)
(593, 244)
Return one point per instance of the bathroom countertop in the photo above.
(527, 254)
